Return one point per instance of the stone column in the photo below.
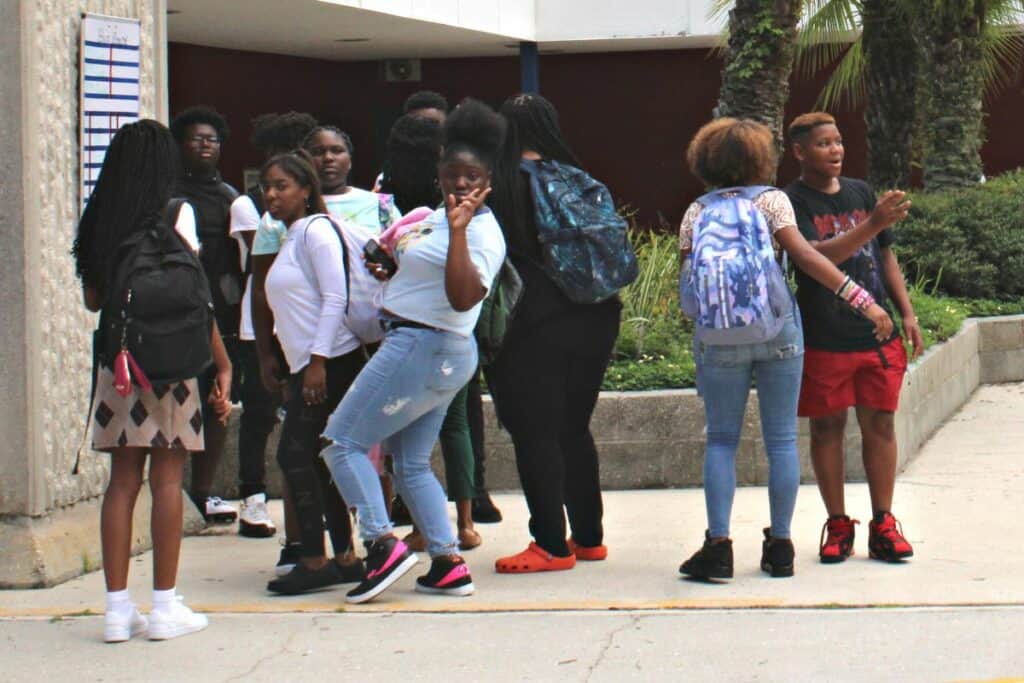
(49, 518)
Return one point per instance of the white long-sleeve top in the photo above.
(306, 292)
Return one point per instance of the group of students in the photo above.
(355, 311)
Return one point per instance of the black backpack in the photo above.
(158, 304)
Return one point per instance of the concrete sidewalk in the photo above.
(955, 610)
(959, 502)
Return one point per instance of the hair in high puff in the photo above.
(474, 127)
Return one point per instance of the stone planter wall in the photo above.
(654, 439)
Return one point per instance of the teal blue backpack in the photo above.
(584, 242)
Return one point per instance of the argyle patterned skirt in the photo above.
(170, 416)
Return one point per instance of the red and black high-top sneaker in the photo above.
(837, 539)
(886, 541)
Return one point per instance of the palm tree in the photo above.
(953, 58)
(891, 76)
(758, 60)
(926, 61)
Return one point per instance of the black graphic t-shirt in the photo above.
(829, 322)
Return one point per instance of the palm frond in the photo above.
(1002, 51)
(828, 26)
(719, 9)
(848, 83)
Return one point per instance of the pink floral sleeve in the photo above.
(686, 227)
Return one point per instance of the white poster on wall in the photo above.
(109, 87)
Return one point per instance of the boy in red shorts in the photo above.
(844, 364)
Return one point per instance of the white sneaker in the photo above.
(219, 512)
(175, 620)
(254, 519)
(120, 625)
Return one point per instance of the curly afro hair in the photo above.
(475, 127)
(199, 114)
(277, 133)
(425, 99)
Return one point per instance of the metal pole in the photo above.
(529, 67)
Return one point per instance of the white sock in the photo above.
(118, 601)
(163, 599)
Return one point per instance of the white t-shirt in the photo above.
(373, 211)
(306, 292)
(244, 218)
(186, 226)
(416, 292)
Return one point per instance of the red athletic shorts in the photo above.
(835, 380)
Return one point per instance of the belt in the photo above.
(388, 324)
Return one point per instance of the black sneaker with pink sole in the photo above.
(448, 575)
(387, 560)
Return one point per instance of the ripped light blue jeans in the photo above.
(400, 398)
(724, 378)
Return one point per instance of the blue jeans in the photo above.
(400, 398)
(724, 376)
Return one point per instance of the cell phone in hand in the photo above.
(375, 253)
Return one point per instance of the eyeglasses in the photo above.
(200, 139)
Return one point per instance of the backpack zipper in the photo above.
(723, 301)
(124, 320)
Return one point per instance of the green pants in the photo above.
(457, 449)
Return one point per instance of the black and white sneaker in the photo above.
(387, 559)
(302, 579)
(216, 511)
(448, 575)
(254, 518)
(290, 554)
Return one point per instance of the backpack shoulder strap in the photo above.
(255, 195)
(228, 191)
(532, 166)
(170, 221)
(344, 252)
(712, 197)
(173, 210)
(752, 192)
(385, 202)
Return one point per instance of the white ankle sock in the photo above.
(163, 599)
(119, 601)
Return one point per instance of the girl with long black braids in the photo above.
(132, 195)
(445, 265)
(547, 377)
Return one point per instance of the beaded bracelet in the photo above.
(859, 298)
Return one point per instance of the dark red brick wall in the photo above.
(629, 115)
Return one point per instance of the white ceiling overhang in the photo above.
(351, 30)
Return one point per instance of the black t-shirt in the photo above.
(829, 322)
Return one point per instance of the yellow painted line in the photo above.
(479, 607)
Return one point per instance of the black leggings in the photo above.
(258, 419)
(545, 392)
(298, 453)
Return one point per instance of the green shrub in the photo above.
(651, 322)
(970, 243)
(654, 349)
